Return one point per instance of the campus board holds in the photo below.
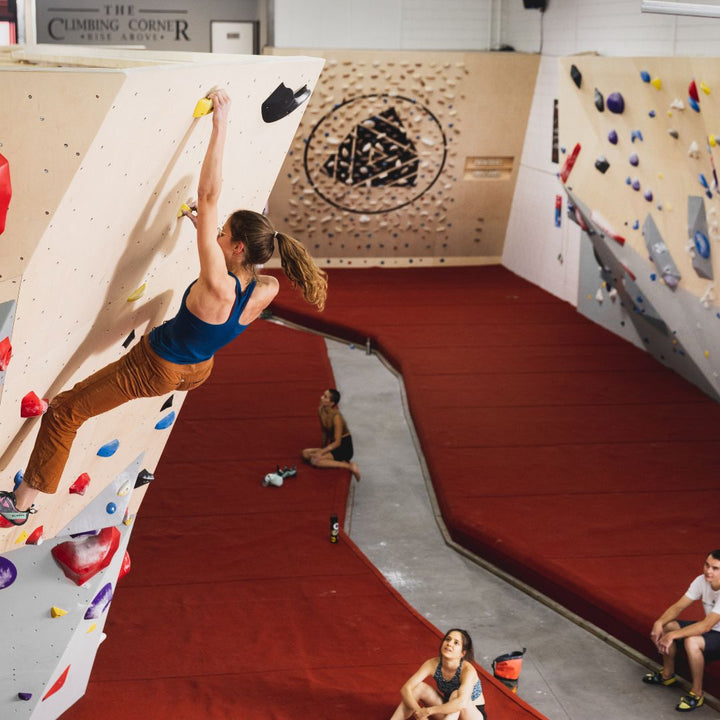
(615, 103)
(80, 485)
(109, 449)
(576, 75)
(81, 560)
(8, 573)
(599, 100)
(5, 191)
(5, 353)
(282, 101)
(32, 406)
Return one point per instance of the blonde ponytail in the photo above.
(302, 270)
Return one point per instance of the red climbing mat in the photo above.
(5, 191)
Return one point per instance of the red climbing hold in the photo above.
(58, 683)
(35, 536)
(83, 559)
(692, 91)
(125, 567)
(569, 163)
(5, 353)
(32, 405)
(80, 485)
(5, 191)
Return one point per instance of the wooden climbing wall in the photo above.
(645, 185)
(102, 150)
(407, 157)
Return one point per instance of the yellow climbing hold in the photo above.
(22, 537)
(712, 140)
(707, 353)
(138, 293)
(704, 88)
(183, 209)
(660, 176)
(92, 628)
(203, 107)
(656, 83)
(57, 612)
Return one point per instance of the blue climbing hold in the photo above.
(704, 182)
(615, 103)
(111, 508)
(645, 76)
(19, 475)
(636, 225)
(109, 448)
(651, 113)
(653, 277)
(694, 104)
(636, 135)
(166, 422)
(702, 245)
(613, 137)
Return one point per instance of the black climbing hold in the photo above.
(599, 100)
(282, 101)
(576, 75)
(168, 403)
(602, 164)
(144, 477)
(129, 339)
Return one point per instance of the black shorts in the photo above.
(344, 453)
(481, 708)
(712, 641)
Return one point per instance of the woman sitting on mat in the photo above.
(459, 692)
(337, 445)
(178, 355)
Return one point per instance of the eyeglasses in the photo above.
(220, 232)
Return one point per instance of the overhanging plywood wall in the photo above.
(102, 149)
(408, 157)
(645, 188)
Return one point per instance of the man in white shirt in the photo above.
(700, 639)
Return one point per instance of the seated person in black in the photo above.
(337, 446)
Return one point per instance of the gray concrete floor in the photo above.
(568, 673)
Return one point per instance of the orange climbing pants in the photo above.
(140, 373)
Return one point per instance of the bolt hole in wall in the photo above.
(226, 26)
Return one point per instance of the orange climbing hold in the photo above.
(32, 405)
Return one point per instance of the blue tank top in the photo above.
(186, 339)
(447, 687)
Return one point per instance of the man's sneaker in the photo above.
(656, 678)
(690, 702)
(9, 510)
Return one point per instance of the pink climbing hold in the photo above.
(82, 560)
(5, 191)
(5, 353)
(32, 405)
(58, 683)
(35, 536)
(80, 485)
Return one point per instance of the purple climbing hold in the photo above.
(615, 103)
(634, 160)
(8, 573)
(613, 137)
(648, 195)
(651, 113)
(100, 603)
(636, 184)
(25, 696)
(599, 100)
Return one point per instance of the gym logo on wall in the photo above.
(375, 153)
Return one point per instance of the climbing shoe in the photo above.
(656, 678)
(287, 472)
(9, 510)
(689, 702)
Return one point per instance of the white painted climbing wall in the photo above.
(102, 149)
(408, 158)
(644, 134)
